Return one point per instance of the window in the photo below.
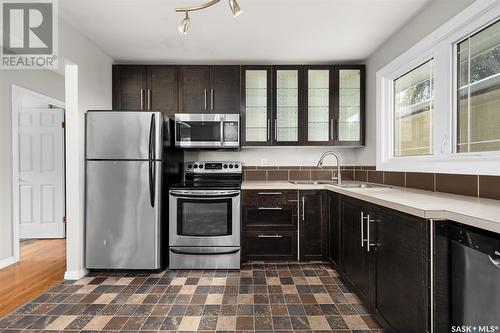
(438, 103)
(478, 91)
(413, 104)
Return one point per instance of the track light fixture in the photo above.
(233, 4)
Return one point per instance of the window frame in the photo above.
(441, 46)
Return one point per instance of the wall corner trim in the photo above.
(75, 275)
(7, 262)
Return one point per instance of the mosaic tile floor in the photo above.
(261, 297)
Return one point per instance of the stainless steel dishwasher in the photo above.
(475, 278)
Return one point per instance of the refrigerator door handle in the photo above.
(152, 165)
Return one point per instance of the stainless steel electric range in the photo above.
(204, 218)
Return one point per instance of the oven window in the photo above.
(204, 217)
(198, 131)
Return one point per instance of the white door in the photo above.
(41, 171)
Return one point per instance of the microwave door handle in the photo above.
(222, 132)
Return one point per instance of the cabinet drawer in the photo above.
(269, 245)
(275, 218)
(269, 198)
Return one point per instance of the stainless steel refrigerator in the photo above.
(129, 163)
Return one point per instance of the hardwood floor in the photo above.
(42, 266)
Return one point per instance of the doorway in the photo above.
(38, 167)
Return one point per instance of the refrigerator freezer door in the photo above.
(122, 226)
(114, 135)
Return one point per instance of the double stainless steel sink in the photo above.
(347, 184)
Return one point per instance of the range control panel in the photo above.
(213, 167)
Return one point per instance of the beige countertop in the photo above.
(477, 212)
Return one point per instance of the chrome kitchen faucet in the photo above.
(320, 164)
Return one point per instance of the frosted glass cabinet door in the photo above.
(319, 113)
(257, 105)
(350, 117)
(287, 101)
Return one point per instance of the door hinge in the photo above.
(63, 124)
(65, 219)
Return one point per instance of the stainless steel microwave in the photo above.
(199, 130)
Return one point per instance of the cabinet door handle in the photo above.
(270, 208)
(269, 236)
(268, 129)
(205, 98)
(368, 243)
(303, 208)
(331, 129)
(269, 193)
(276, 129)
(142, 99)
(362, 230)
(149, 99)
(212, 99)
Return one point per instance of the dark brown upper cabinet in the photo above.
(312, 105)
(288, 94)
(162, 89)
(129, 87)
(145, 88)
(349, 105)
(256, 116)
(210, 89)
(319, 113)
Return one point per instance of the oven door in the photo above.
(207, 130)
(204, 218)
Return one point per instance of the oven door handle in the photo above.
(206, 253)
(205, 195)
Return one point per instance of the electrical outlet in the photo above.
(263, 161)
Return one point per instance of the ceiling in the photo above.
(268, 31)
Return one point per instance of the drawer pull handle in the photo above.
(270, 208)
(269, 193)
(269, 236)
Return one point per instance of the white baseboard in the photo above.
(7, 262)
(75, 275)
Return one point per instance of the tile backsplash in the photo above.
(471, 185)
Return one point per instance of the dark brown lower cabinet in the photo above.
(385, 261)
(269, 225)
(357, 262)
(269, 245)
(313, 225)
(402, 271)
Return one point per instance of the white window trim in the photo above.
(439, 45)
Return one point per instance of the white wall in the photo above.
(45, 82)
(307, 156)
(94, 92)
(89, 86)
(427, 20)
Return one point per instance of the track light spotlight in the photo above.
(183, 28)
(235, 8)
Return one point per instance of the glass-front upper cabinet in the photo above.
(287, 100)
(319, 105)
(256, 120)
(350, 111)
